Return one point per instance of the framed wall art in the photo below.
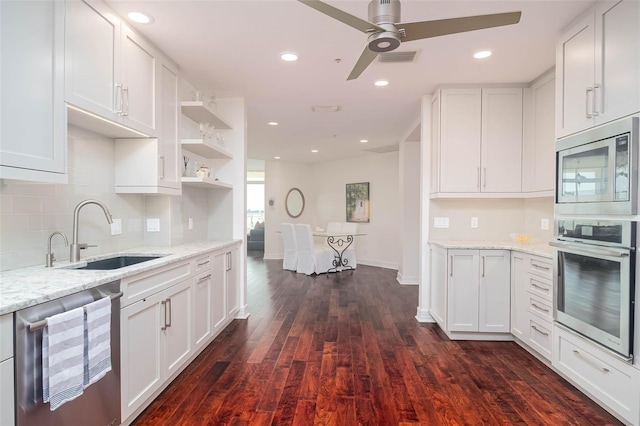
(358, 202)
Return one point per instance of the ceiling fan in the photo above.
(386, 32)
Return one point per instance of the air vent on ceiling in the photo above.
(325, 108)
(393, 57)
(384, 149)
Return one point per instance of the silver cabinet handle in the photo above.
(125, 94)
(600, 251)
(164, 305)
(539, 308)
(482, 266)
(203, 263)
(162, 167)
(540, 331)
(206, 277)
(451, 269)
(595, 99)
(170, 314)
(118, 99)
(544, 268)
(229, 266)
(546, 290)
(484, 177)
(604, 369)
(588, 111)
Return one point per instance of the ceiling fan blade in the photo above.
(427, 29)
(342, 16)
(366, 58)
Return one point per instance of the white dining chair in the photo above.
(290, 258)
(311, 258)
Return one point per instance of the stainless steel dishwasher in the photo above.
(99, 405)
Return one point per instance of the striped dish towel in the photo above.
(63, 357)
(98, 340)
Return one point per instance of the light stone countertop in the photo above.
(538, 249)
(21, 288)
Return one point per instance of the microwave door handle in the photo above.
(598, 252)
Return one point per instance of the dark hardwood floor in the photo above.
(347, 350)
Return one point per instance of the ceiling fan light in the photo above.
(381, 83)
(289, 56)
(482, 54)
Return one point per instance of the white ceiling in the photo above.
(231, 48)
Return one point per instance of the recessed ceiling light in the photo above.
(276, 158)
(364, 140)
(140, 18)
(289, 56)
(482, 54)
(381, 83)
(272, 123)
(314, 151)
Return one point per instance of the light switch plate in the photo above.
(153, 225)
(544, 224)
(116, 227)
(190, 223)
(440, 222)
(474, 222)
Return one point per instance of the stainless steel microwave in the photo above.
(597, 170)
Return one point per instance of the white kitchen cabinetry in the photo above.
(156, 342)
(110, 71)
(219, 292)
(538, 168)
(613, 383)
(33, 129)
(232, 282)
(532, 302)
(203, 301)
(152, 166)
(7, 408)
(480, 141)
(598, 67)
(471, 289)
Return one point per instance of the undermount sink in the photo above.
(117, 262)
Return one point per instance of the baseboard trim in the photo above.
(407, 280)
(379, 264)
(423, 315)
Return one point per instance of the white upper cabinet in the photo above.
(32, 116)
(480, 140)
(110, 71)
(598, 67)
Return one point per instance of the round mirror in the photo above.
(295, 202)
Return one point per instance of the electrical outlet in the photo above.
(474, 222)
(544, 224)
(153, 225)
(440, 222)
(190, 223)
(116, 227)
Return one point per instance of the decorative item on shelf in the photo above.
(212, 102)
(220, 139)
(203, 172)
(185, 169)
(196, 95)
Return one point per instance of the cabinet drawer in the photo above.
(6, 336)
(540, 287)
(541, 267)
(540, 307)
(612, 381)
(540, 337)
(144, 285)
(202, 263)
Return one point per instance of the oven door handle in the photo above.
(598, 252)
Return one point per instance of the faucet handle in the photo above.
(84, 246)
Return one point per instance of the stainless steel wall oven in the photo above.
(595, 280)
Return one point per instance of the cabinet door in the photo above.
(232, 283)
(92, 58)
(435, 144)
(539, 137)
(139, 72)
(6, 393)
(575, 61)
(177, 334)
(495, 291)
(462, 290)
(141, 351)
(501, 160)
(617, 58)
(32, 119)
(171, 152)
(218, 293)
(439, 276)
(460, 133)
(202, 305)
(519, 297)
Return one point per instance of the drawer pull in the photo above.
(540, 331)
(202, 264)
(544, 268)
(539, 308)
(206, 277)
(605, 370)
(546, 290)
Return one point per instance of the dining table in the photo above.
(339, 242)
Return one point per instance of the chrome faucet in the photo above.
(50, 256)
(75, 246)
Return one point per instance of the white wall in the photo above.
(409, 266)
(324, 188)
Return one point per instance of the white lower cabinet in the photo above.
(474, 293)
(231, 282)
(219, 292)
(202, 308)
(7, 408)
(611, 381)
(155, 341)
